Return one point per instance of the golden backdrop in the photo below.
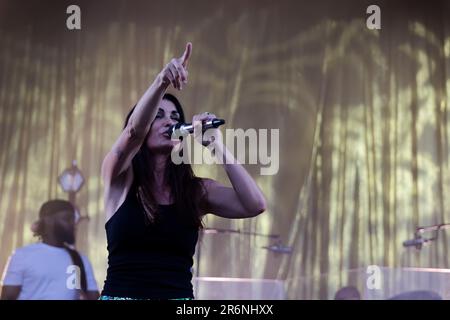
(363, 119)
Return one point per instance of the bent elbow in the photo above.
(260, 207)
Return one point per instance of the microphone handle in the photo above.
(413, 242)
(188, 128)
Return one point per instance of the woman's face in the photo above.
(158, 139)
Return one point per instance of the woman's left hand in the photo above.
(212, 135)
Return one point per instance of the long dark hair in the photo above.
(186, 189)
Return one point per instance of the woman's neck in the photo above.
(161, 185)
(160, 169)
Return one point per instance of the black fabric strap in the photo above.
(76, 259)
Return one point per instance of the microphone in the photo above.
(417, 242)
(278, 248)
(184, 129)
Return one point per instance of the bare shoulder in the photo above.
(208, 183)
(116, 191)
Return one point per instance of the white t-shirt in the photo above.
(45, 273)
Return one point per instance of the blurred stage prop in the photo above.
(394, 284)
(222, 288)
(228, 288)
(384, 283)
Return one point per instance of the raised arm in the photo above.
(244, 199)
(130, 140)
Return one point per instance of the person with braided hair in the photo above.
(51, 269)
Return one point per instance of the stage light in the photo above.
(71, 181)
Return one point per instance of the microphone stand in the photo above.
(215, 231)
(436, 228)
(223, 231)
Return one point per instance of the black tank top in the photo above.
(149, 261)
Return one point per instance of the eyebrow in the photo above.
(173, 112)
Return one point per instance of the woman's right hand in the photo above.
(175, 72)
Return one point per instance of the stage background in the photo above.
(363, 119)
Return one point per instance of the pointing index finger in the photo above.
(186, 54)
